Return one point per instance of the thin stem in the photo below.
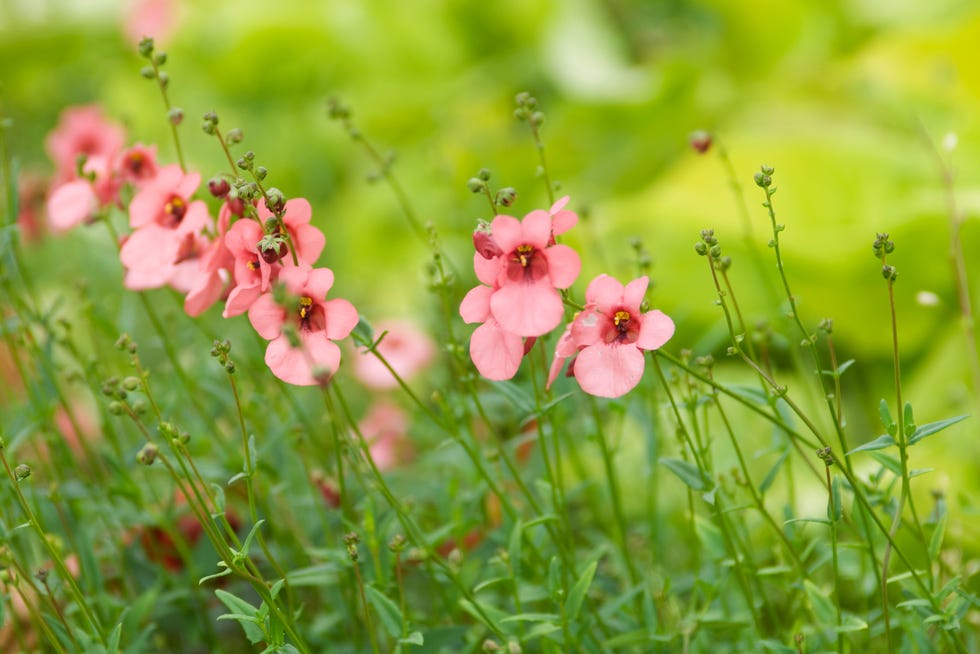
(832, 512)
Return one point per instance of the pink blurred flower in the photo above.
(404, 347)
(82, 130)
(167, 229)
(154, 18)
(385, 430)
(315, 322)
(79, 200)
(609, 336)
(137, 165)
(32, 188)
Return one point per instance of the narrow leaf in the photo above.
(687, 472)
(388, 611)
(771, 475)
(886, 417)
(823, 608)
(577, 595)
(879, 443)
(933, 427)
(936, 542)
(414, 638)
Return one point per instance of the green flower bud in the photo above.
(22, 472)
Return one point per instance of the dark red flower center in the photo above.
(174, 211)
(623, 328)
(311, 316)
(526, 264)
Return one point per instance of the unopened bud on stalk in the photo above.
(147, 454)
(22, 472)
(176, 116)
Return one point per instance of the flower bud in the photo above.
(762, 180)
(219, 187)
(700, 141)
(234, 136)
(475, 185)
(161, 58)
(148, 72)
(176, 116)
(22, 472)
(261, 172)
(147, 454)
(131, 383)
(164, 79)
(146, 47)
(506, 196)
(701, 248)
(485, 245)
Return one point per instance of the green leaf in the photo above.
(577, 595)
(851, 623)
(388, 611)
(363, 332)
(112, 645)
(224, 573)
(321, 574)
(484, 613)
(889, 462)
(908, 420)
(933, 427)
(242, 612)
(886, 418)
(773, 471)
(414, 638)
(687, 472)
(936, 542)
(550, 618)
(838, 509)
(879, 443)
(823, 608)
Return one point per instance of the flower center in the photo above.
(524, 254)
(622, 321)
(252, 265)
(173, 211)
(135, 161)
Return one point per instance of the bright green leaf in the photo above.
(933, 427)
(388, 611)
(686, 472)
(879, 443)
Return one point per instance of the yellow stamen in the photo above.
(305, 306)
(523, 253)
(621, 317)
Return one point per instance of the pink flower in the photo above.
(78, 201)
(257, 262)
(137, 165)
(404, 347)
(215, 263)
(307, 239)
(168, 226)
(154, 18)
(523, 266)
(84, 131)
(609, 336)
(496, 353)
(385, 430)
(314, 321)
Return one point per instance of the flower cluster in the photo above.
(259, 256)
(521, 268)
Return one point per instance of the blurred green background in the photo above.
(842, 98)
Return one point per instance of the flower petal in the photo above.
(633, 293)
(496, 353)
(605, 292)
(266, 316)
(240, 299)
(564, 265)
(655, 330)
(70, 205)
(507, 232)
(318, 284)
(341, 318)
(536, 229)
(527, 309)
(475, 306)
(486, 269)
(609, 370)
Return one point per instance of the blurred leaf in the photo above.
(773, 471)
(686, 472)
(243, 613)
(577, 595)
(388, 611)
(823, 608)
(879, 443)
(886, 418)
(932, 428)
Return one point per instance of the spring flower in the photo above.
(167, 228)
(137, 165)
(257, 262)
(78, 201)
(404, 347)
(385, 429)
(496, 353)
(609, 336)
(302, 337)
(82, 131)
(207, 283)
(523, 266)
